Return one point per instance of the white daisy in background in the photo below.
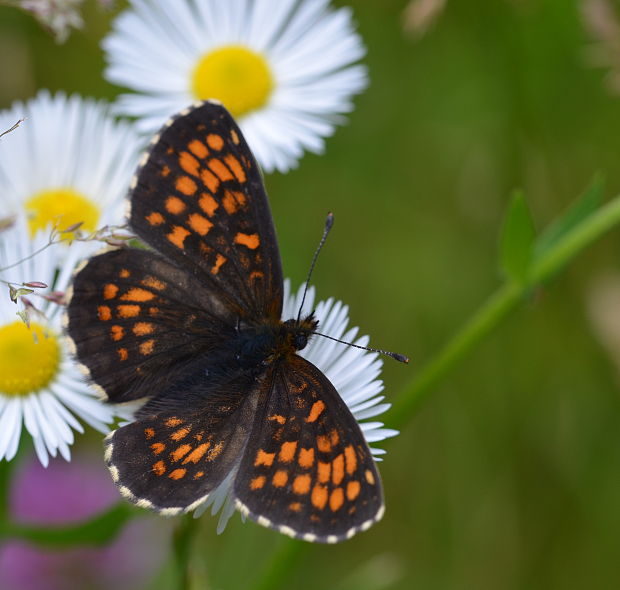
(353, 372)
(41, 387)
(68, 162)
(282, 68)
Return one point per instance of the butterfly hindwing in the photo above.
(307, 470)
(174, 455)
(199, 200)
(138, 322)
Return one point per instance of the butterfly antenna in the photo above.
(401, 358)
(329, 222)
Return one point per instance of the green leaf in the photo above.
(517, 240)
(581, 208)
(98, 531)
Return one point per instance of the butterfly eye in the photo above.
(300, 340)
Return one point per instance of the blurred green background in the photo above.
(509, 475)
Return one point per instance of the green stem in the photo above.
(484, 320)
(498, 306)
(281, 562)
(184, 535)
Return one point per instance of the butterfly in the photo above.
(192, 326)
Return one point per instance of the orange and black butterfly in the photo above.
(193, 326)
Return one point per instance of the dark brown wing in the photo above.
(174, 454)
(307, 470)
(139, 323)
(199, 200)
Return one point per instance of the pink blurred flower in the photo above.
(66, 493)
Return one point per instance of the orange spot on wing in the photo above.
(234, 136)
(180, 452)
(174, 205)
(233, 200)
(353, 490)
(177, 236)
(158, 448)
(370, 478)
(110, 291)
(189, 163)
(180, 433)
(172, 422)
(198, 148)
(350, 459)
(319, 496)
(123, 355)
(279, 419)
(143, 328)
(338, 469)
(301, 484)
(315, 411)
(149, 433)
(219, 260)
(155, 218)
(251, 241)
(306, 458)
(201, 225)
(197, 453)
(147, 347)
(185, 185)
(208, 204)
(215, 451)
(154, 283)
(211, 181)
(323, 444)
(263, 458)
(165, 171)
(153, 310)
(220, 169)
(159, 468)
(336, 499)
(137, 294)
(117, 333)
(104, 313)
(287, 451)
(198, 474)
(324, 471)
(124, 273)
(128, 311)
(334, 437)
(177, 474)
(280, 478)
(236, 167)
(215, 141)
(295, 506)
(258, 482)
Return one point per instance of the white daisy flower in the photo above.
(353, 372)
(68, 162)
(282, 68)
(40, 385)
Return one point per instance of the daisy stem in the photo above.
(184, 535)
(498, 306)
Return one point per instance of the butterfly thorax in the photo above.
(264, 343)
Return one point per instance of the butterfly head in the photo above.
(300, 330)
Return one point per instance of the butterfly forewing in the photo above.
(307, 470)
(199, 200)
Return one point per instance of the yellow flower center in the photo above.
(62, 207)
(29, 358)
(236, 76)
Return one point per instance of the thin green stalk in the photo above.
(183, 539)
(504, 300)
(498, 306)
